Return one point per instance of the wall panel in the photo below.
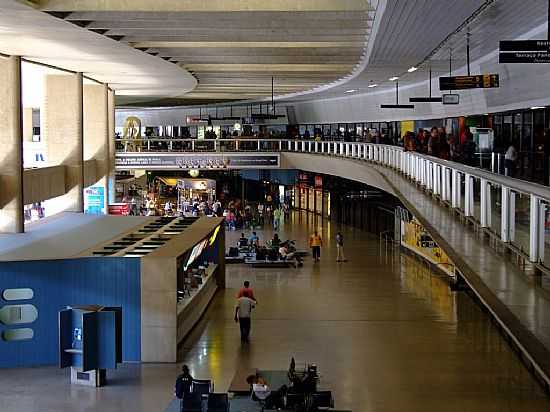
(58, 283)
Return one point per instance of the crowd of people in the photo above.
(255, 215)
(436, 142)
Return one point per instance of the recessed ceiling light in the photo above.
(372, 85)
(394, 78)
(412, 69)
(351, 91)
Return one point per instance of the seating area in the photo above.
(254, 390)
(265, 256)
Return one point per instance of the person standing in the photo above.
(243, 312)
(276, 219)
(183, 383)
(510, 158)
(315, 243)
(340, 247)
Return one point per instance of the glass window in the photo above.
(538, 130)
(516, 131)
(506, 131)
(527, 134)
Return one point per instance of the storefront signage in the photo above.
(168, 161)
(524, 51)
(484, 81)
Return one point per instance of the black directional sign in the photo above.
(524, 57)
(524, 51)
(524, 45)
(482, 81)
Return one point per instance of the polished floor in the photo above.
(386, 333)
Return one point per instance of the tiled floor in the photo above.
(386, 333)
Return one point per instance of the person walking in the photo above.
(243, 312)
(340, 247)
(315, 243)
(246, 289)
(276, 219)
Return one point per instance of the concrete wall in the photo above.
(108, 281)
(345, 168)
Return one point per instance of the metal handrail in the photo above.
(303, 145)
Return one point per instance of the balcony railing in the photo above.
(513, 210)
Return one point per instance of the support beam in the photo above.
(63, 133)
(11, 142)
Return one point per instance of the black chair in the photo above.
(202, 386)
(218, 402)
(295, 401)
(191, 402)
(321, 400)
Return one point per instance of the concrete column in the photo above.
(63, 134)
(96, 135)
(112, 144)
(27, 124)
(11, 142)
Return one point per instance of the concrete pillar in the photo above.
(27, 124)
(62, 125)
(112, 145)
(11, 142)
(96, 135)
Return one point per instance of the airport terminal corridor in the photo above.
(386, 333)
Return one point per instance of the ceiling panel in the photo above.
(235, 43)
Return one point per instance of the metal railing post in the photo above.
(468, 195)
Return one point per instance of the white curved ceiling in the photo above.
(27, 32)
(235, 47)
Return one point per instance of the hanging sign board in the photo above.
(450, 98)
(524, 51)
(484, 81)
(524, 45)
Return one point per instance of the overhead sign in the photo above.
(524, 51)
(484, 81)
(425, 99)
(524, 45)
(397, 106)
(169, 161)
(450, 98)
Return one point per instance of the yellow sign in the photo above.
(416, 239)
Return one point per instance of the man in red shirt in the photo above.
(246, 290)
